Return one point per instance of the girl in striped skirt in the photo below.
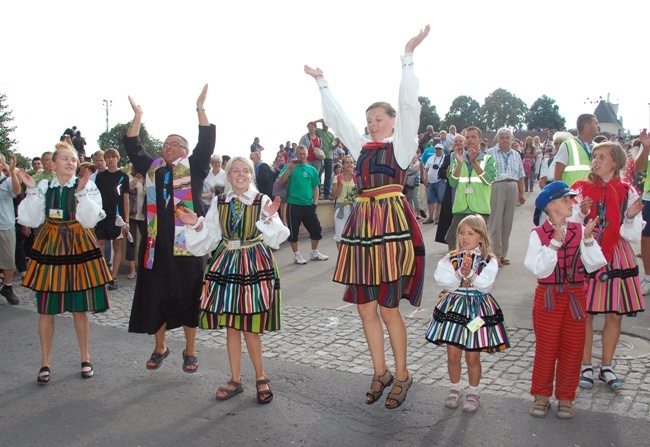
(467, 317)
(66, 269)
(241, 289)
(615, 289)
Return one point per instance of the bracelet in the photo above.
(200, 109)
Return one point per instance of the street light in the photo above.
(107, 104)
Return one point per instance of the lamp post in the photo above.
(107, 104)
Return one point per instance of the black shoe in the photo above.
(8, 292)
(113, 285)
(422, 214)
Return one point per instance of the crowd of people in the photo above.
(186, 205)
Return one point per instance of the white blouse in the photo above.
(446, 277)
(208, 237)
(406, 125)
(31, 211)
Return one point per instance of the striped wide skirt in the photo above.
(382, 253)
(616, 288)
(455, 310)
(67, 269)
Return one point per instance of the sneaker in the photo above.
(8, 292)
(645, 286)
(298, 259)
(316, 255)
(113, 285)
(422, 214)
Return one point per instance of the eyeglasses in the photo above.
(173, 144)
(216, 162)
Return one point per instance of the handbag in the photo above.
(318, 153)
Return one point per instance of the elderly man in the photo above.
(435, 184)
(573, 158)
(302, 200)
(170, 279)
(263, 174)
(472, 176)
(507, 190)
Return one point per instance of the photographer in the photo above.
(434, 184)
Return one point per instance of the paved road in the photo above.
(319, 367)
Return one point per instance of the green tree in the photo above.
(6, 142)
(464, 112)
(503, 109)
(544, 114)
(428, 115)
(113, 138)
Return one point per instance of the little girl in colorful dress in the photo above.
(467, 317)
(615, 289)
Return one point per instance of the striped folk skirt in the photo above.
(456, 309)
(616, 288)
(67, 269)
(382, 250)
(241, 290)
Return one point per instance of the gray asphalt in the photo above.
(318, 400)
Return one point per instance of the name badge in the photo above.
(56, 213)
(234, 245)
(469, 190)
(475, 324)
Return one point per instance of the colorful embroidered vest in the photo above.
(377, 166)
(569, 267)
(182, 196)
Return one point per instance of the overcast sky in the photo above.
(61, 59)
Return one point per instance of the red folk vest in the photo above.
(569, 268)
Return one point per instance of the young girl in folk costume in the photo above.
(67, 269)
(467, 317)
(615, 289)
(344, 191)
(381, 226)
(241, 288)
(559, 255)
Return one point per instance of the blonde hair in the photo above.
(228, 186)
(617, 153)
(63, 146)
(476, 223)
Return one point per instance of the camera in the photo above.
(435, 166)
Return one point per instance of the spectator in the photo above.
(264, 177)
(434, 184)
(302, 202)
(137, 217)
(256, 146)
(9, 189)
(113, 185)
(215, 181)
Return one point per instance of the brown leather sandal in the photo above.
(401, 396)
(228, 392)
(385, 380)
(540, 407)
(565, 409)
(264, 396)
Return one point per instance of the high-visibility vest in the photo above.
(646, 185)
(479, 200)
(577, 167)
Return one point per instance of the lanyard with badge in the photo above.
(235, 220)
(506, 157)
(470, 169)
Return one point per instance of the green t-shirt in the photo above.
(327, 139)
(43, 175)
(302, 182)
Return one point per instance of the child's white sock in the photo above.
(473, 390)
(456, 386)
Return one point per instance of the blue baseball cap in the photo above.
(552, 191)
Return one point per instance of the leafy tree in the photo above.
(464, 112)
(428, 115)
(113, 138)
(503, 109)
(544, 114)
(5, 129)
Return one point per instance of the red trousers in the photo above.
(560, 340)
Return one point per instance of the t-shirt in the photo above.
(113, 186)
(432, 173)
(7, 214)
(302, 182)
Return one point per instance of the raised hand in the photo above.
(586, 205)
(201, 100)
(412, 44)
(313, 72)
(644, 138)
(83, 180)
(589, 228)
(137, 110)
(635, 208)
(272, 207)
(26, 179)
(12, 164)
